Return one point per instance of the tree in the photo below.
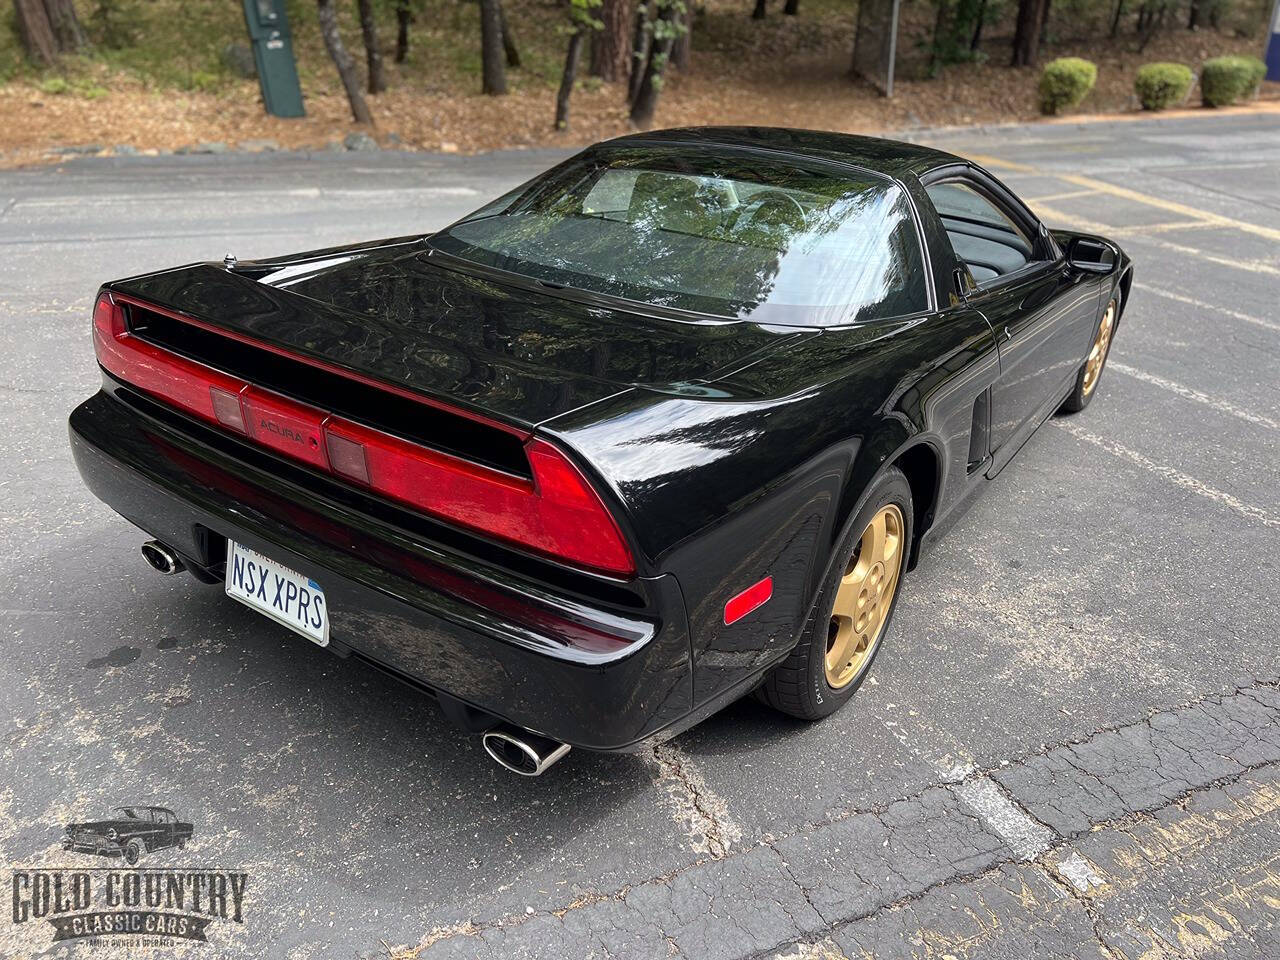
(338, 53)
(373, 56)
(760, 11)
(666, 27)
(682, 48)
(1026, 37)
(48, 28)
(492, 68)
(792, 8)
(582, 19)
(1115, 18)
(611, 44)
(404, 17)
(641, 39)
(508, 39)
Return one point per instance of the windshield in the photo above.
(727, 234)
(128, 813)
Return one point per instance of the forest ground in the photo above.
(158, 81)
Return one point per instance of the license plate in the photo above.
(284, 595)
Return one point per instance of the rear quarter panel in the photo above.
(760, 476)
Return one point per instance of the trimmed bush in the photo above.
(1162, 85)
(1225, 80)
(1065, 82)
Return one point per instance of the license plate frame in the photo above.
(251, 576)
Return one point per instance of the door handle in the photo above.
(1004, 336)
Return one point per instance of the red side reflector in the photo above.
(557, 513)
(749, 599)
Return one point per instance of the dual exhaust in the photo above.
(520, 751)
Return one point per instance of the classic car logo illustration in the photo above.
(133, 905)
(130, 832)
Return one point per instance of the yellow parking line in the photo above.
(988, 161)
(1212, 219)
(1166, 227)
(1124, 193)
(1090, 226)
(1061, 196)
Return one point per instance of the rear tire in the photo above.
(801, 685)
(1091, 370)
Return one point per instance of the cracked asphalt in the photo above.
(1070, 746)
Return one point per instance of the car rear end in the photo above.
(462, 552)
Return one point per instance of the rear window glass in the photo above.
(725, 234)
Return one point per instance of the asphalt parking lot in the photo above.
(1070, 745)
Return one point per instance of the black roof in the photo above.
(888, 156)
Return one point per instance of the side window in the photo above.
(982, 235)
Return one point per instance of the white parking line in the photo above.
(1222, 406)
(1184, 480)
(1025, 837)
(1192, 302)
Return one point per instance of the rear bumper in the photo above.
(603, 674)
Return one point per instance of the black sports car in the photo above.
(666, 425)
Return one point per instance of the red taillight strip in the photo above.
(557, 513)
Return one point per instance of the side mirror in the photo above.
(1090, 256)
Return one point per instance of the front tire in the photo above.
(133, 851)
(851, 616)
(1091, 371)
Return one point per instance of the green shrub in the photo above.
(1065, 82)
(54, 85)
(1162, 85)
(1225, 80)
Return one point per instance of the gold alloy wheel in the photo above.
(1098, 355)
(864, 597)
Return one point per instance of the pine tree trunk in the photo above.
(1026, 38)
(404, 17)
(508, 39)
(646, 100)
(566, 81)
(493, 68)
(682, 46)
(1044, 21)
(978, 21)
(939, 31)
(36, 32)
(792, 8)
(611, 45)
(640, 42)
(373, 56)
(338, 53)
(1115, 18)
(66, 25)
(760, 12)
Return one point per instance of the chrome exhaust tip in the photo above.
(521, 751)
(161, 558)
